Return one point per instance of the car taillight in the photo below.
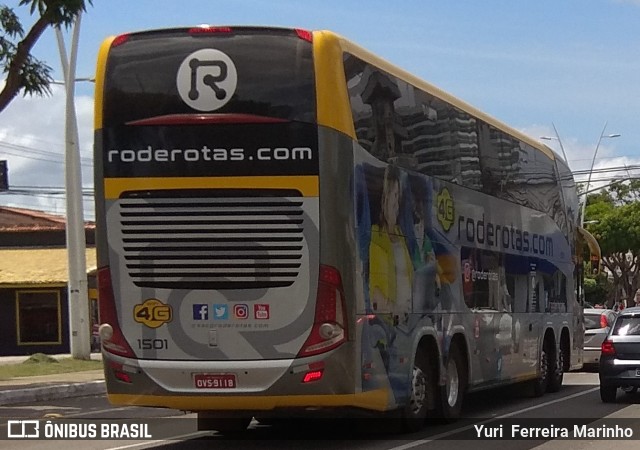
(607, 348)
(329, 326)
(111, 336)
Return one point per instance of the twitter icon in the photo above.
(220, 312)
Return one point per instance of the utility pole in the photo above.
(76, 245)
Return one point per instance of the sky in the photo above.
(572, 64)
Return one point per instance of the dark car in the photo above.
(620, 356)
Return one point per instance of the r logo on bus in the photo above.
(207, 79)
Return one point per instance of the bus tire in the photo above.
(452, 393)
(422, 383)
(557, 372)
(541, 383)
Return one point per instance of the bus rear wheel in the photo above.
(556, 374)
(415, 411)
(541, 383)
(452, 393)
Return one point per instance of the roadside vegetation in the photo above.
(613, 217)
(40, 364)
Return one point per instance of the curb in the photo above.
(58, 391)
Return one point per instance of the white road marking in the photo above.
(504, 416)
(162, 441)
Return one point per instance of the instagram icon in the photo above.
(241, 311)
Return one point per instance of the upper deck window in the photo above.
(263, 72)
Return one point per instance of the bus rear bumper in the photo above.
(372, 400)
(264, 385)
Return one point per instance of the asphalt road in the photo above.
(497, 410)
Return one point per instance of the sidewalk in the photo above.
(50, 387)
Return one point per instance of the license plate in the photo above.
(215, 380)
(638, 372)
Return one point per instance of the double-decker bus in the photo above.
(288, 224)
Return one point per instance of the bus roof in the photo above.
(328, 39)
(329, 46)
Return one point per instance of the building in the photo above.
(34, 309)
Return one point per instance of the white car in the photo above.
(596, 324)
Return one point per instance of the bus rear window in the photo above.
(261, 72)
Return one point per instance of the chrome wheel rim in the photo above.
(544, 366)
(453, 383)
(418, 391)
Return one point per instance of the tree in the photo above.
(597, 289)
(24, 72)
(615, 217)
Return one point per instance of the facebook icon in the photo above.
(200, 312)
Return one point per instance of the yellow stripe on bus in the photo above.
(377, 400)
(307, 185)
(100, 75)
(334, 108)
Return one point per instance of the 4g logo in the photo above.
(445, 209)
(152, 313)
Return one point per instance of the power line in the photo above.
(22, 151)
(604, 157)
(607, 169)
(44, 191)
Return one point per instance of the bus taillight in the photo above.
(329, 327)
(304, 34)
(119, 40)
(312, 376)
(112, 338)
(207, 29)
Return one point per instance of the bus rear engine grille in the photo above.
(214, 242)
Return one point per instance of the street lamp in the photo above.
(556, 138)
(79, 338)
(593, 161)
(64, 83)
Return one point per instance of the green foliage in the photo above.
(625, 192)
(24, 73)
(597, 290)
(56, 12)
(36, 77)
(617, 229)
(613, 217)
(30, 369)
(11, 26)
